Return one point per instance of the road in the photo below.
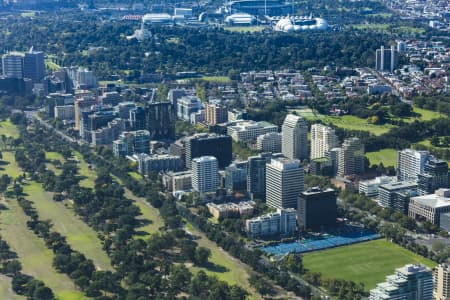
(33, 115)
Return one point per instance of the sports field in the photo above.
(367, 262)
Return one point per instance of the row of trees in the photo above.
(147, 266)
(21, 284)
(81, 270)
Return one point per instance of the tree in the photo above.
(201, 256)
(12, 267)
(437, 246)
(18, 190)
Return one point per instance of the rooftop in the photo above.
(399, 185)
(441, 198)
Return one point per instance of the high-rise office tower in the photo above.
(205, 176)
(386, 59)
(284, 182)
(317, 209)
(351, 157)
(12, 65)
(256, 175)
(441, 282)
(435, 176)
(323, 139)
(34, 66)
(215, 145)
(294, 137)
(160, 120)
(409, 282)
(411, 163)
(236, 176)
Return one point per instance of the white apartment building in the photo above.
(294, 140)
(284, 182)
(205, 176)
(283, 222)
(410, 163)
(323, 139)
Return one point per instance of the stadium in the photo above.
(290, 24)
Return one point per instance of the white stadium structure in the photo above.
(240, 19)
(292, 24)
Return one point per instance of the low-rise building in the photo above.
(156, 162)
(396, 195)
(178, 181)
(243, 209)
(248, 131)
(282, 222)
(370, 188)
(430, 207)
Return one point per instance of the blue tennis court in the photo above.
(350, 235)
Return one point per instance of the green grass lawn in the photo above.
(427, 115)
(244, 28)
(51, 155)
(88, 174)
(387, 156)
(346, 122)
(9, 129)
(79, 235)
(217, 79)
(383, 27)
(149, 213)
(51, 65)
(367, 262)
(35, 257)
(371, 26)
(6, 291)
(9, 166)
(135, 175)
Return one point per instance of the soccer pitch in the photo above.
(367, 262)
